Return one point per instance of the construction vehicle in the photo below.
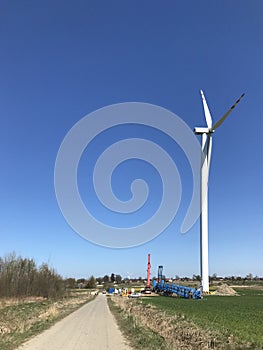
(170, 289)
(148, 288)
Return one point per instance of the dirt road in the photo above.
(90, 327)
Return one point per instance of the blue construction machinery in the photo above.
(180, 291)
(174, 289)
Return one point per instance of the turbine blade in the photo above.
(209, 146)
(205, 142)
(220, 121)
(207, 150)
(206, 110)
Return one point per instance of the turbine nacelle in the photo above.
(200, 131)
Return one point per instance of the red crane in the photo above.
(148, 284)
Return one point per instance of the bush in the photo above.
(20, 277)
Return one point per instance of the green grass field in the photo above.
(240, 316)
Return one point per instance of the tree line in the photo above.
(93, 282)
(21, 277)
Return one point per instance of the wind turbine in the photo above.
(205, 166)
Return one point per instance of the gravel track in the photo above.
(90, 327)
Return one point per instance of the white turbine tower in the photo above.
(205, 165)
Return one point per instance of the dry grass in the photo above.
(22, 319)
(51, 312)
(177, 332)
(139, 337)
(15, 301)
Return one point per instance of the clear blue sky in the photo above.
(60, 60)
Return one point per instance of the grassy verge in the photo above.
(141, 338)
(23, 319)
(240, 318)
(175, 331)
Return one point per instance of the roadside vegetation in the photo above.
(173, 331)
(21, 319)
(32, 299)
(215, 322)
(139, 337)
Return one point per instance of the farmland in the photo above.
(238, 317)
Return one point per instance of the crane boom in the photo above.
(148, 285)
